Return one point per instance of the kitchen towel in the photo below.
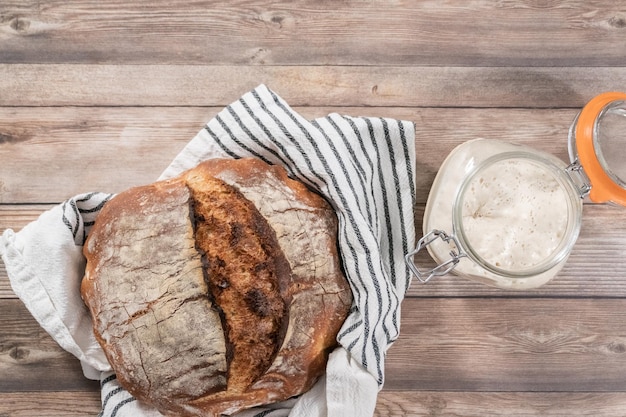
(364, 166)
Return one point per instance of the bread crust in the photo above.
(145, 288)
(266, 272)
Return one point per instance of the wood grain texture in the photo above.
(595, 267)
(87, 149)
(305, 85)
(518, 345)
(102, 95)
(50, 404)
(455, 344)
(499, 404)
(390, 404)
(61, 152)
(17, 216)
(604, 277)
(30, 360)
(117, 148)
(546, 33)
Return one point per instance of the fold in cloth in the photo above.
(364, 166)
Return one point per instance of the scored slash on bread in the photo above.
(217, 290)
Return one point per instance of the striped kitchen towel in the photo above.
(364, 166)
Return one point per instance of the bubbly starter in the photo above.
(512, 214)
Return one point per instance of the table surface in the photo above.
(101, 95)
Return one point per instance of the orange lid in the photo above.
(603, 183)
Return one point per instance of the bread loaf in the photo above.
(218, 290)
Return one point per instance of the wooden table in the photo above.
(101, 95)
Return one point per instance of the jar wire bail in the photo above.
(456, 253)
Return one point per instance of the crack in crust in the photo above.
(144, 287)
(243, 264)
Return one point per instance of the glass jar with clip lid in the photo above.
(508, 215)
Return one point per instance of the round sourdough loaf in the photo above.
(218, 290)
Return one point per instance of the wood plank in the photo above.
(17, 216)
(457, 344)
(312, 85)
(518, 345)
(50, 404)
(536, 33)
(87, 149)
(389, 404)
(111, 146)
(61, 152)
(596, 267)
(5, 286)
(30, 360)
(499, 404)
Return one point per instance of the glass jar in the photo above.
(508, 215)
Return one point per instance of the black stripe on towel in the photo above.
(122, 404)
(108, 379)
(338, 192)
(110, 394)
(265, 413)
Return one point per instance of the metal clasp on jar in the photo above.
(576, 173)
(456, 253)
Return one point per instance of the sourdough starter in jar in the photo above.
(511, 208)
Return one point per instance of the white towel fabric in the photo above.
(364, 166)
